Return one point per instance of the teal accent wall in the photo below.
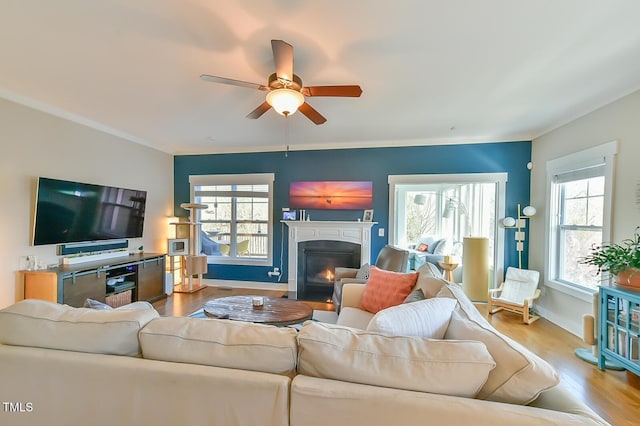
(363, 164)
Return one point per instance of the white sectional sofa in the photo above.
(66, 366)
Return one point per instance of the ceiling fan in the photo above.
(286, 94)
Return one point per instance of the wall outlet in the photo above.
(274, 273)
(381, 232)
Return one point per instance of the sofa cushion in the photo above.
(221, 343)
(414, 296)
(386, 288)
(440, 247)
(42, 324)
(427, 241)
(354, 317)
(426, 318)
(430, 280)
(457, 368)
(520, 376)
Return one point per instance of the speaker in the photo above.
(90, 247)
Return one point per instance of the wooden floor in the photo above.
(615, 395)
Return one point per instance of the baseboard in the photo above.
(257, 285)
(572, 327)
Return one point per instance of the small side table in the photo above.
(448, 270)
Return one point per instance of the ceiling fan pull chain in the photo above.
(286, 134)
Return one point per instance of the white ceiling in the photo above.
(432, 71)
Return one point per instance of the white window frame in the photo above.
(500, 179)
(591, 157)
(240, 179)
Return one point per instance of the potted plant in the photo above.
(620, 260)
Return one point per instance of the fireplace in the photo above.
(358, 233)
(317, 261)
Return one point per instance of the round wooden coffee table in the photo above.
(275, 311)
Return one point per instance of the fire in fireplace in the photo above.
(317, 261)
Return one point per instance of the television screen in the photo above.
(68, 212)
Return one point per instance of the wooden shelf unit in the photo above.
(73, 284)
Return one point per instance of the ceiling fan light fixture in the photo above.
(285, 101)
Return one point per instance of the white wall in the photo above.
(35, 144)
(619, 121)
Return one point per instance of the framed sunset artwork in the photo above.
(331, 195)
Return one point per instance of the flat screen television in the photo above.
(70, 212)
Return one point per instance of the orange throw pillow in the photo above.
(385, 289)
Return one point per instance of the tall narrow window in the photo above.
(580, 204)
(236, 226)
(579, 210)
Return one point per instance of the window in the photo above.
(238, 221)
(448, 206)
(579, 210)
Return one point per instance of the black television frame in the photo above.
(63, 214)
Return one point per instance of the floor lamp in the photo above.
(519, 225)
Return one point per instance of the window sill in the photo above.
(225, 260)
(585, 294)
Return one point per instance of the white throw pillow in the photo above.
(426, 318)
(520, 375)
(221, 343)
(42, 324)
(457, 368)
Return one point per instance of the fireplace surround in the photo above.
(358, 233)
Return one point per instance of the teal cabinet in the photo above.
(619, 325)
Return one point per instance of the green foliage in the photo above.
(615, 258)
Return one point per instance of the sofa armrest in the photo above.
(353, 281)
(561, 400)
(352, 294)
(342, 272)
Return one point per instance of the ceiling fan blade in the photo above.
(257, 113)
(232, 82)
(311, 113)
(283, 58)
(352, 91)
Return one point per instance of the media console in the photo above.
(142, 274)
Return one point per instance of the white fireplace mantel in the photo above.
(300, 231)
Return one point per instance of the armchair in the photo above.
(390, 258)
(516, 294)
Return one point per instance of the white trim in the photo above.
(498, 178)
(583, 294)
(75, 118)
(387, 143)
(301, 231)
(239, 179)
(572, 326)
(604, 153)
(257, 285)
(449, 178)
